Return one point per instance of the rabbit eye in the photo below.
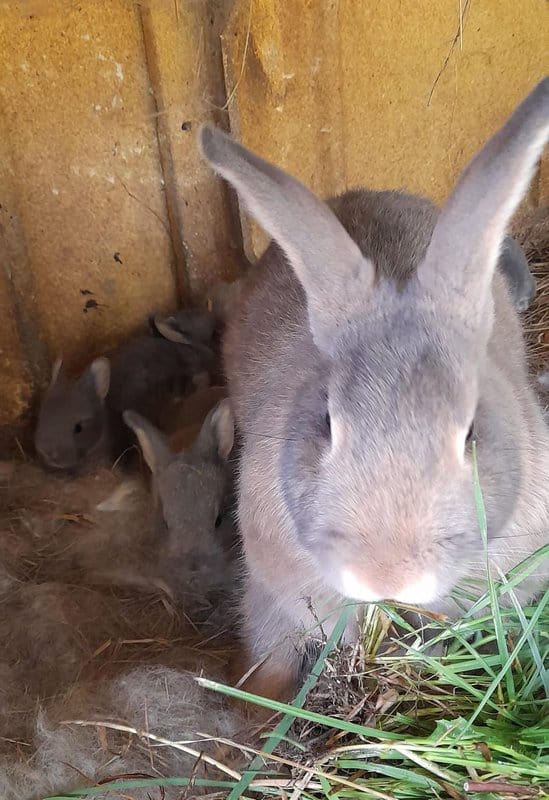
(328, 423)
(219, 520)
(78, 428)
(470, 434)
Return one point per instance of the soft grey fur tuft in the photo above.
(163, 701)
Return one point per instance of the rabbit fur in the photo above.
(513, 264)
(80, 420)
(372, 342)
(167, 702)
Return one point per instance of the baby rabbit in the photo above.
(199, 324)
(204, 326)
(191, 489)
(374, 341)
(186, 326)
(80, 421)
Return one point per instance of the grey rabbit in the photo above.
(197, 324)
(205, 326)
(194, 325)
(192, 489)
(522, 284)
(186, 326)
(80, 420)
(374, 340)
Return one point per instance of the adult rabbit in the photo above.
(373, 341)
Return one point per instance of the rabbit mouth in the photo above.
(55, 464)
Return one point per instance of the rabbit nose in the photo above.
(415, 592)
(422, 590)
(357, 589)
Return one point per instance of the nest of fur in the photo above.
(92, 632)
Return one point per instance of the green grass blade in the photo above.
(520, 643)
(289, 716)
(536, 655)
(494, 602)
(139, 783)
(296, 712)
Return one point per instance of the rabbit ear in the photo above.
(96, 378)
(56, 371)
(167, 328)
(334, 273)
(469, 233)
(154, 447)
(100, 370)
(223, 422)
(216, 437)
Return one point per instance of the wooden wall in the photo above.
(107, 212)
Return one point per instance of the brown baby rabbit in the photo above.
(374, 341)
(184, 416)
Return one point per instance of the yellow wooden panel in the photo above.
(23, 355)
(15, 381)
(282, 66)
(109, 211)
(78, 128)
(385, 94)
(183, 50)
(422, 93)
